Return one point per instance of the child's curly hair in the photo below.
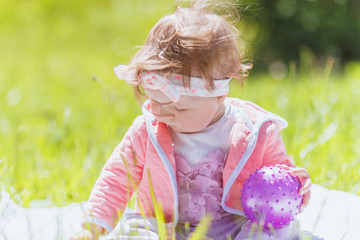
(193, 38)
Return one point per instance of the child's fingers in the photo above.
(286, 167)
(306, 186)
(203, 238)
(305, 202)
(82, 235)
(170, 230)
(305, 180)
(304, 177)
(300, 172)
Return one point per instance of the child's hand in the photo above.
(304, 177)
(84, 234)
(203, 238)
(170, 229)
(90, 231)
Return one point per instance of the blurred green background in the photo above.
(62, 110)
(294, 30)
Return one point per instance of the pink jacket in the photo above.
(146, 152)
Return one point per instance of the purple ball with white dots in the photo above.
(271, 195)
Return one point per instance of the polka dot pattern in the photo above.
(271, 194)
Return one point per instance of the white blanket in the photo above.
(331, 215)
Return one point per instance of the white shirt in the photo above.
(194, 146)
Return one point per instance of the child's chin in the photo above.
(183, 130)
(175, 128)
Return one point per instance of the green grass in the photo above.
(62, 110)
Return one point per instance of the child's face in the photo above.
(190, 114)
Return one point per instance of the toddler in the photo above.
(192, 148)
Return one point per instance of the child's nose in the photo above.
(155, 106)
(160, 111)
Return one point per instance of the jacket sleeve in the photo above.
(275, 150)
(118, 179)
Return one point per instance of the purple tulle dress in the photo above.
(200, 192)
